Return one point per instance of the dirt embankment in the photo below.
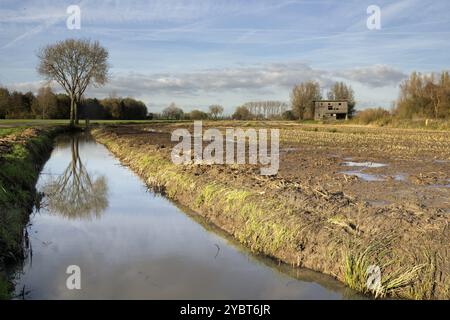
(22, 155)
(312, 214)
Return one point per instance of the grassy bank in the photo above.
(297, 222)
(22, 154)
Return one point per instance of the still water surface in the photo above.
(131, 243)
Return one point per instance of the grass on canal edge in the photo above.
(358, 262)
(20, 164)
(7, 131)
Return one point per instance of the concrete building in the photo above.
(330, 110)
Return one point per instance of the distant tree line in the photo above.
(255, 110)
(303, 96)
(421, 96)
(266, 109)
(173, 112)
(113, 108)
(48, 105)
(248, 111)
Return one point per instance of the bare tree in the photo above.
(302, 98)
(45, 103)
(437, 90)
(242, 113)
(74, 64)
(215, 110)
(173, 112)
(424, 95)
(266, 109)
(341, 91)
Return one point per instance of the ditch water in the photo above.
(131, 243)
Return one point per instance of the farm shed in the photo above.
(330, 110)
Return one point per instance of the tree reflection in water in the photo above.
(75, 194)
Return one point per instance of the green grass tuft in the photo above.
(393, 279)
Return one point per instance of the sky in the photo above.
(201, 52)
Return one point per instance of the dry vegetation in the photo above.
(311, 214)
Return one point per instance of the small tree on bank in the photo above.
(74, 64)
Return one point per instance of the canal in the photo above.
(131, 243)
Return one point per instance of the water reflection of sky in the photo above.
(143, 246)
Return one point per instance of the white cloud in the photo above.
(260, 77)
(374, 76)
(236, 85)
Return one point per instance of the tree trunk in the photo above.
(436, 106)
(76, 112)
(72, 112)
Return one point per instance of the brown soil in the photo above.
(340, 215)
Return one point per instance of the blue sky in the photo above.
(196, 53)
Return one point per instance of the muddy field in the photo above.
(346, 197)
(376, 165)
